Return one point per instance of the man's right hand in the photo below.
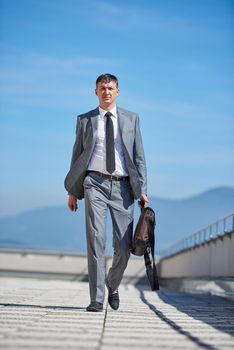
(72, 202)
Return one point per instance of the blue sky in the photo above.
(174, 61)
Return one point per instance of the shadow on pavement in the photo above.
(44, 307)
(214, 311)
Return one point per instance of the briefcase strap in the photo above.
(151, 269)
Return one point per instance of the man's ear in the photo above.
(95, 91)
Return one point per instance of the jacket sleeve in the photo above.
(139, 157)
(78, 146)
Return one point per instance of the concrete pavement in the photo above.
(50, 314)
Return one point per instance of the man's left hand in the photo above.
(143, 200)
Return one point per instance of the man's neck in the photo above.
(108, 107)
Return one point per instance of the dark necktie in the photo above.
(110, 145)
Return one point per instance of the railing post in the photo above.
(210, 235)
(204, 235)
(224, 225)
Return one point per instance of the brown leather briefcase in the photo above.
(143, 244)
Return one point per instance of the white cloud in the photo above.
(224, 158)
(110, 9)
(137, 20)
(41, 80)
(177, 110)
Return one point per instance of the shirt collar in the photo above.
(113, 111)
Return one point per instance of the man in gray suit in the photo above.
(107, 169)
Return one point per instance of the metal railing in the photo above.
(217, 229)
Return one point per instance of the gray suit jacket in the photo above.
(86, 131)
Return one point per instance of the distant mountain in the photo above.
(180, 218)
(56, 228)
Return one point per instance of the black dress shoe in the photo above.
(95, 307)
(113, 300)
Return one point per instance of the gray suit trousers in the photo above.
(102, 194)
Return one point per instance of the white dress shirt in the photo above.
(98, 159)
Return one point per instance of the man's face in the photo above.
(107, 93)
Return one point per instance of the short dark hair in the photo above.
(107, 78)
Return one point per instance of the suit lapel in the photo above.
(123, 125)
(94, 121)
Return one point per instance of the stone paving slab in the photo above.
(46, 314)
